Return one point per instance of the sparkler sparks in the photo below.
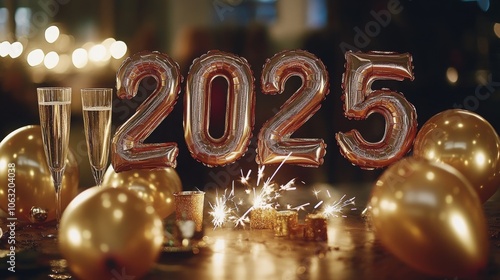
(225, 209)
(220, 209)
(335, 208)
(263, 197)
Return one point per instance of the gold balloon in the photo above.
(22, 154)
(429, 216)
(465, 141)
(154, 186)
(106, 232)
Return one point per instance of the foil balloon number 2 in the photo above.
(128, 150)
(274, 142)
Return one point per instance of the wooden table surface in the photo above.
(351, 252)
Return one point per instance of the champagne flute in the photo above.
(96, 106)
(54, 106)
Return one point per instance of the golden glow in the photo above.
(4, 49)
(218, 269)
(431, 154)
(118, 214)
(16, 49)
(104, 247)
(122, 198)
(106, 203)
(64, 63)
(388, 205)
(158, 233)
(480, 159)
(430, 175)
(462, 231)
(97, 53)
(108, 42)
(219, 245)
(64, 43)
(150, 209)
(35, 57)
(51, 60)
(496, 29)
(118, 49)
(74, 237)
(80, 58)
(398, 194)
(3, 165)
(86, 234)
(452, 75)
(421, 197)
(51, 34)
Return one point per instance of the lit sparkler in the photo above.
(332, 209)
(226, 206)
(335, 208)
(220, 209)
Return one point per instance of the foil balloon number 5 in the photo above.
(362, 69)
(274, 142)
(128, 150)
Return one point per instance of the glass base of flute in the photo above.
(57, 177)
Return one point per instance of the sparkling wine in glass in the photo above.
(96, 105)
(54, 106)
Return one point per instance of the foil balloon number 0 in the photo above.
(239, 110)
(274, 142)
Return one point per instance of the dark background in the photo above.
(442, 36)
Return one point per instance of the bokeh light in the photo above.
(51, 60)
(4, 48)
(64, 64)
(16, 49)
(79, 58)
(35, 57)
(97, 53)
(51, 34)
(118, 49)
(496, 29)
(452, 75)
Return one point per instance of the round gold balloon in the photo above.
(465, 141)
(106, 232)
(430, 217)
(22, 158)
(156, 187)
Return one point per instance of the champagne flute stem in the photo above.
(57, 176)
(98, 175)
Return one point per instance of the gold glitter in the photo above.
(316, 227)
(189, 206)
(262, 218)
(285, 221)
